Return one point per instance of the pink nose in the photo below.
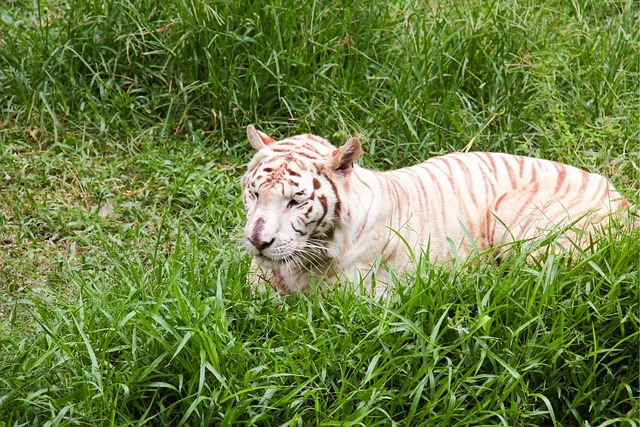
(260, 244)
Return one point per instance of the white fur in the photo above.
(451, 206)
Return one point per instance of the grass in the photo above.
(123, 296)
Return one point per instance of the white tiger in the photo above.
(315, 216)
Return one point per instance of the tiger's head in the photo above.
(292, 196)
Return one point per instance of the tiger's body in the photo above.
(315, 216)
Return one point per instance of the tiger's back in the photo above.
(315, 216)
(482, 200)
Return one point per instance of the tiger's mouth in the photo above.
(274, 262)
(301, 255)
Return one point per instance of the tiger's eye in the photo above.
(292, 203)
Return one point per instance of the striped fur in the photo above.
(313, 215)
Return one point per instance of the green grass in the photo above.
(123, 295)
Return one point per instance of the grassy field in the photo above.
(123, 295)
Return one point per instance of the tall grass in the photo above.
(123, 298)
(504, 74)
(179, 341)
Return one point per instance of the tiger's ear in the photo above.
(342, 159)
(258, 140)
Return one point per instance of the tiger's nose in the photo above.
(260, 244)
